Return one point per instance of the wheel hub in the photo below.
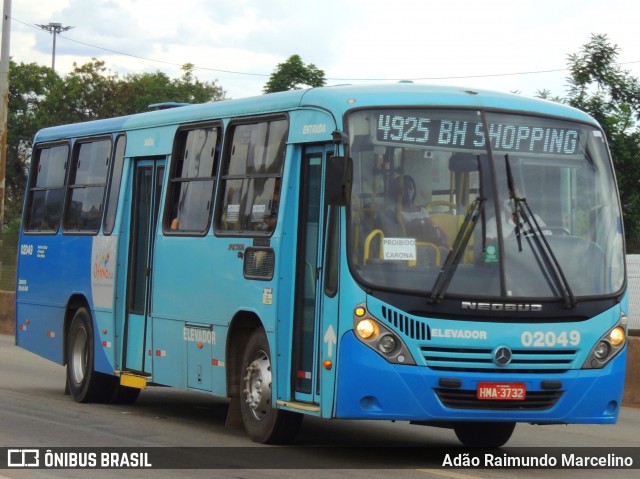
(258, 385)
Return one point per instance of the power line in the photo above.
(196, 67)
(161, 61)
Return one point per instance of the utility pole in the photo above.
(55, 29)
(4, 106)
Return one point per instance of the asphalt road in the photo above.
(35, 413)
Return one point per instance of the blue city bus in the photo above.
(436, 255)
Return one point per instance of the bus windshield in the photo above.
(483, 204)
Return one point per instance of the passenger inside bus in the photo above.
(410, 220)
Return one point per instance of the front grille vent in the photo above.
(535, 361)
(407, 325)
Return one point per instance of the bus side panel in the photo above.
(193, 285)
(198, 288)
(39, 329)
(103, 275)
(169, 353)
(51, 270)
(104, 339)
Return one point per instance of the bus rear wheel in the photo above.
(484, 434)
(85, 384)
(262, 422)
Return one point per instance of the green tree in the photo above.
(87, 93)
(29, 86)
(139, 91)
(611, 95)
(192, 90)
(293, 74)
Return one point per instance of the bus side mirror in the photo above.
(338, 178)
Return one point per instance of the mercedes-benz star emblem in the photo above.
(502, 356)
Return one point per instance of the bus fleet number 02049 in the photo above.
(540, 339)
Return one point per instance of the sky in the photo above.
(505, 45)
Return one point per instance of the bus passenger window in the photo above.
(114, 188)
(87, 183)
(46, 192)
(252, 181)
(192, 180)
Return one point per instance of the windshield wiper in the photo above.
(522, 213)
(457, 250)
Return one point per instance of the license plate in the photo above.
(501, 391)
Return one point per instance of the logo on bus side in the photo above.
(103, 270)
(199, 335)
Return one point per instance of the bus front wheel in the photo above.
(85, 385)
(262, 422)
(484, 434)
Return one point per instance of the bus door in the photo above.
(147, 189)
(316, 311)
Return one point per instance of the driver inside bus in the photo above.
(510, 220)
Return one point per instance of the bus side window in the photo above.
(87, 183)
(114, 188)
(192, 180)
(252, 181)
(46, 192)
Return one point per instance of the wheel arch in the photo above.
(240, 329)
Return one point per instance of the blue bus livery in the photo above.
(402, 252)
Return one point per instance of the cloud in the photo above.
(350, 40)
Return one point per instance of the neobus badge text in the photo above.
(513, 307)
(199, 335)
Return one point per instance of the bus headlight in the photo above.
(387, 344)
(601, 350)
(380, 337)
(366, 329)
(617, 336)
(608, 346)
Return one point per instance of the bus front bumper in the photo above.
(369, 387)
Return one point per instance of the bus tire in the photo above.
(484, 434)
(262, 422)
(85, 384)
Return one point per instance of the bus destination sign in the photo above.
(459, 134)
